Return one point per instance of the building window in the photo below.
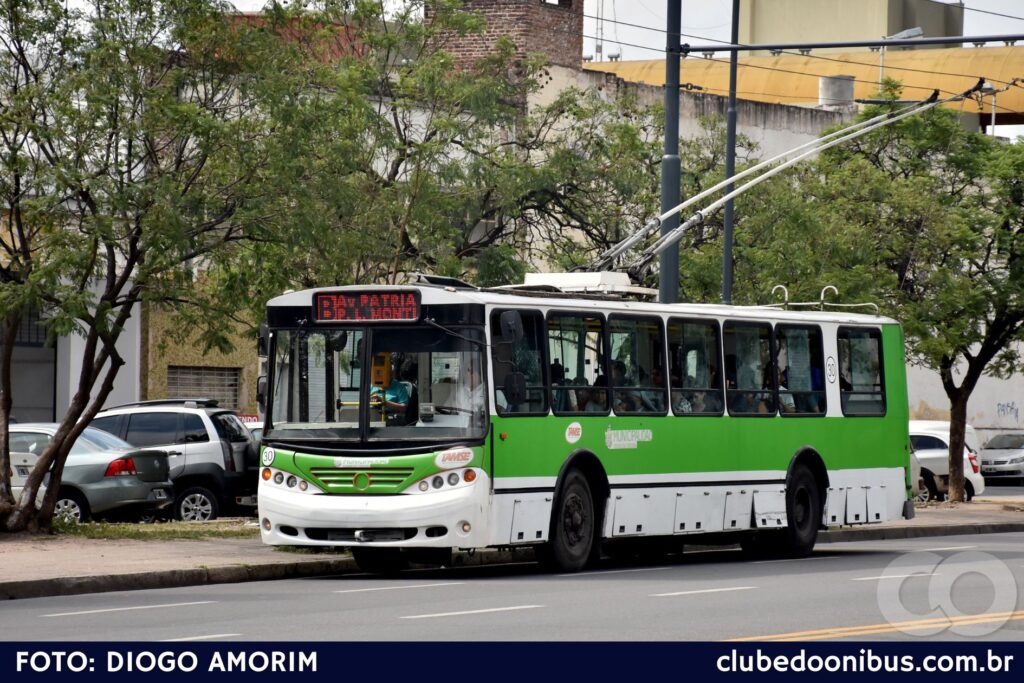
(221, 384)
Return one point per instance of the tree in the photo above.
(924, 218)
(411, 164)
(130, 155)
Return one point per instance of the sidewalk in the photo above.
(62, 565)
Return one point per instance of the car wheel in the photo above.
(196, 504)
(571, 544)
(931, 490)
(803, 511)
(71, 507)
(968, 491)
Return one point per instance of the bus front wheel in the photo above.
(571, 544)
(803, 510)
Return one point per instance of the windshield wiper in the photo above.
(434, 323)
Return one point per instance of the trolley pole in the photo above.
(668, 275)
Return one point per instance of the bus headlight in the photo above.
(286, 480)
(453, 479)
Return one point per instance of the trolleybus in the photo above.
(420, 419)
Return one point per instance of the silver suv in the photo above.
(213, 460)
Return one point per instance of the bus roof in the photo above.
(433, 295)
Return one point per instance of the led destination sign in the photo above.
(369, 306)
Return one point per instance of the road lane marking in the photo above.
(874, 629)
(706, 590)
(399, 588)
(472, 611)
(799, 559)
(209, 637)
(616, 571)
(918, 575)
(128, 609)
(954, 547)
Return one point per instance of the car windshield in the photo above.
(411, 382)
(1006, 441)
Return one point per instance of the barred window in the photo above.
(222, 384)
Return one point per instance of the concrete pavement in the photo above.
(62, 565)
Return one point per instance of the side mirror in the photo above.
(515, 388)
(263, 342)
(511, 326)
(336, 341)
(261, 391)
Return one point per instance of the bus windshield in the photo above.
(420, 383)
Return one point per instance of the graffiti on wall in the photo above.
(1010, 410)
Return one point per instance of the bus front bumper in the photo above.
(456, 518)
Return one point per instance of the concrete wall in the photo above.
(820, 21)
(69, 367)
(996, 406)
(775, 128)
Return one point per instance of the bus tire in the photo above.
(803, 512)
(379, 560)
(571, 541)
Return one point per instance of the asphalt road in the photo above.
(1003, 490)
(841, 592)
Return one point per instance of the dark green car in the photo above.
(102, 475)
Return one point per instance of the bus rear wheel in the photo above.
(571, 544)
(803, 510)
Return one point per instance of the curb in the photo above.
(889, 533)
(179, 578)
(171, 578)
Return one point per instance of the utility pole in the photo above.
(668, 273)
(730, 159)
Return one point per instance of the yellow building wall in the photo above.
(159, 351)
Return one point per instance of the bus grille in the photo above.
(362, 478)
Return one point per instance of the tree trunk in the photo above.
(10, 332)
(957, 427)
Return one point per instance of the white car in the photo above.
(930, 442)
(1003, 457)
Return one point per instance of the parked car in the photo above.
(255, 430)
(929, 440)
(102, 473)
(1003, 457)
(212, 457)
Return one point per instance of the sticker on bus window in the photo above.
(574, 432)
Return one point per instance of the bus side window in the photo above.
(525, 356)
(800, 370)
(576, 344)
(694, 374)
(638, 365)
(861, 374)
(749, 374)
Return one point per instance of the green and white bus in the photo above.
(405, 420)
